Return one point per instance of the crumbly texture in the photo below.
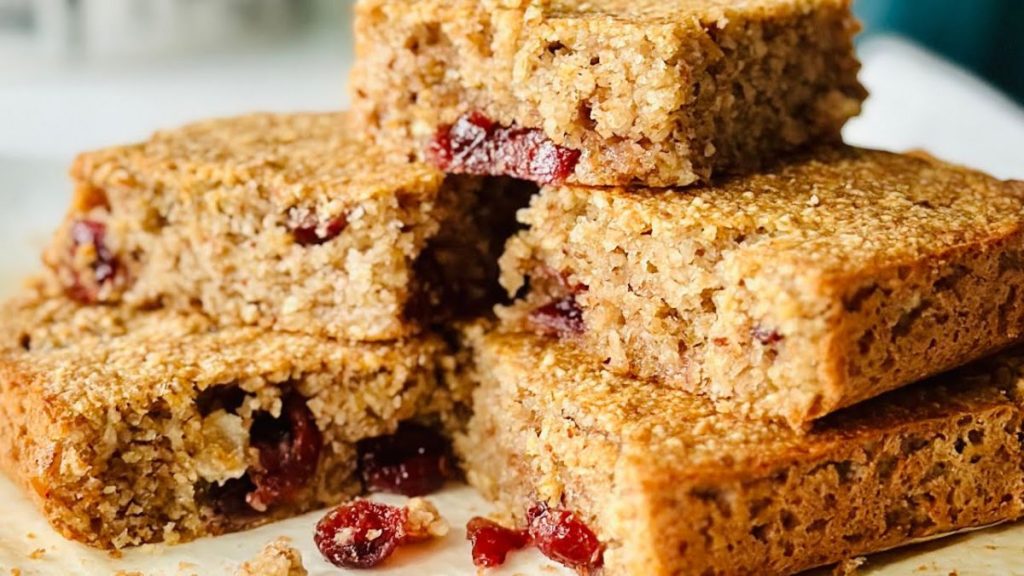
(128, 428)
(424, 521)
(754, 497)
(659, 92)
(278, 558)
(285, 222)
(849, 567)
(820, 283)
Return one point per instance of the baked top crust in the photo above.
(93, 358)
(665, 433)
(310, 159)
(833, 211)
(702, 11)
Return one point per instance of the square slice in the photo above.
(671, 486)
(820, 283)
(605, 92)
(283, 222)
(135, 427)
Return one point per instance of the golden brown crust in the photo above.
(102, 415)
(655, 92)
(756, 497)
(283, 221)
(827, 280)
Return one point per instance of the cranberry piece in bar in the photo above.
(767, 336)
(104, 265)
(289, 452)
(492, 542)
(309, 231)
(360, 534)
(564, 538)
(414, 461)
(563, 317)
(530, 155)
(475, 144)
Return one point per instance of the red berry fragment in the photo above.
(560, 318)
(309, 231)
(492, 542)
(563, 537)
(289, 452)
(767, 336)
(475, 144)
(414, 461)
(91, 235)
(360, 534)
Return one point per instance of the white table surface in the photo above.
(47, 115)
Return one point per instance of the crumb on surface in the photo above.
(850, 566)
(37, 553)
(278, 558)
(424, 520)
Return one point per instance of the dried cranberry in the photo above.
(104, 265)
(414, 461)
(492, 542)
(475, 144)
(564, 538)
(360, 534)
(289, 452)
(563, 317)
(767, 336)
(309, 231)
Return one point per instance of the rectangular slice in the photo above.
(824, 281)
(134, 427)
(285, 222)
(671, 486)
(605, 92)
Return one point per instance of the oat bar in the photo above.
(671, 486)
(284, 222)
(822, 282)
(605, 92)
(131, 427)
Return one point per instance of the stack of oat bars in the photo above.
(723, 342)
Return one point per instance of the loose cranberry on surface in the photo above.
(563, 537)
(289, 452)
(104, 264)
(492, 542)
(360, 534)
(308, 231)
(475, 144)
(560, 318)
(414, 461)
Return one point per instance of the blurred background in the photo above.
(81, 73)
(982, 35)
(985, 36)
